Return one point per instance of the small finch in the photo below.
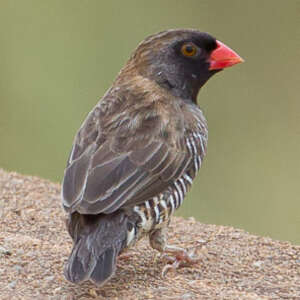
(138, 151)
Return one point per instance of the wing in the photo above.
(121, 166)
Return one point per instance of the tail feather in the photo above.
(105, 266)
(98, 242)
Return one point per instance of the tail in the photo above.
(98, 241)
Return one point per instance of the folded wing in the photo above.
(119, 171)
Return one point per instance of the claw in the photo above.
(167, 258)
(175, 265)
(181, 258)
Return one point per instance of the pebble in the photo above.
(49, 278)
(12, 284)
(93, 293)
(258, 263)
(20, 252)
(187, 296)
(18, 268)
(4, 251)
(56, 290)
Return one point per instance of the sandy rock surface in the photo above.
(234, 264)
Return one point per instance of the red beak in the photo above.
(223, 57)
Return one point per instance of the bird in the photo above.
(138, 151)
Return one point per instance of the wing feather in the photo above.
(108, 170)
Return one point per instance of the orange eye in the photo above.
(189, 50)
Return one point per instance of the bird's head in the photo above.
(182, 60)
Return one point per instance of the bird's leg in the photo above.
(179, 257)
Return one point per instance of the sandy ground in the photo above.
(34, 246)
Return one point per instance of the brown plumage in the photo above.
(138, 151)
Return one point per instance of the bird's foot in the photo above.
(179, 258)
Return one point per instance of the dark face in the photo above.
(185, 64)
(178, 61)
(182, 60)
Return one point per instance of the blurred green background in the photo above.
(57, 58)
